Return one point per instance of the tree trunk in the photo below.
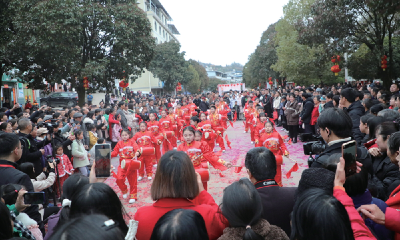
(388, 82)
(81, 95)
(1, 82)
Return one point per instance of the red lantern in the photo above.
(270, 82)
(179, 87)
(85, 83)
(335, 69)
(384, 62)
(123, 84)
(270, 79)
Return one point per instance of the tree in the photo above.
(361, 65)
(169, 65)
(194, 83)
(343, 25)
(212, 86)
(202, 73)
(102, 40)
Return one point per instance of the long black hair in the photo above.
(88, 227)
(6, 230)
(99, 198)
(319, 215)
(27, 168)
(242, 207)
(180, 224)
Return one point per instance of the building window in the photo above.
(155, 26)
(159, 29)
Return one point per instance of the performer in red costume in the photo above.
(127, 151)
(216, 125)
(175, 126)
(145, 139)
(180, 119)
(65, 168)
(186, 112)
(192, 108)
(154, 127)
(209, 135)
(222, 109)
(201, 155)
(260, 128)
(250, 114)
(274, 142)
(166, 129)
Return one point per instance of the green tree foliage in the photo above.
(212, 86)
(65, 39)
(169, 65)
(361, 65)
(193, 86)
(344, 25)
(202, 73)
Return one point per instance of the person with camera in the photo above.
(32, 151)
(59, 139)
(42, 181)
(335, 127)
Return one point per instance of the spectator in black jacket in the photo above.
(268, 102)
(203, 105)
(305, 115)
(329, 101)
(10, 152)
(197, 101)
(244, 99)
(355, 111)
(32, 151)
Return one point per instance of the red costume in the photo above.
(111, 121)
(166, 126)
(201, 155)
(65, 169)
(175, 128)
(154, 128)
(207, 128)
(216, 125)
(126, 151)
(250, 115)
(223, 109)
(145, 139)
(274, 142)
(181, 122)
(186, 114)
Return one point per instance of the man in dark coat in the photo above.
(268, 102)
(10, 152)
(244, 99)
(203, 105)
(355, 111)
(197, 101)
(277, 201)
(329, 101)
(305, 115)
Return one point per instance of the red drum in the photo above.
(160, 137)
(134, 165)
(169, 134)
(147, 151)
(194, 113)
(204, 172)
(175, 127)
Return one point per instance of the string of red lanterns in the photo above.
(335, 68)
(384, 62)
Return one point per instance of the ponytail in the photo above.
(249, 234)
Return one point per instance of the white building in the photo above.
(163, 31)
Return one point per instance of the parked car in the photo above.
(60, 99)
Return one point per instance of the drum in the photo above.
(134, 164)
(175, 127)
(160, 137)
(169, 134)
(147, 151)
(194, 114)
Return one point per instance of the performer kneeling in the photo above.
(274, 142)
(201, 155)
(128, 167)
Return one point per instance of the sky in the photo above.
(222, 31)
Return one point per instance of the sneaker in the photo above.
(217, 144)
(178, 141)
(149, 178)
(175, 148)
(252, 142)
(139, 178)
(155, 165)
(223, 150)
(123, 164)
(132, 201)
(244, 132)
(125, 196)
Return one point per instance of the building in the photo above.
(229, 77)
(163, 31)
(13, 91)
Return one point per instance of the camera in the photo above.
(51, 125)
(314, 147)
(50, 159)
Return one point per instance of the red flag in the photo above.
(234, 117)
(228, 142)
(290, 141)
(284, 137)
(219, 153)
(293, 169)
(221, 175)
(231, 124)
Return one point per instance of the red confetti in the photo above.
(234, 117)
(286, 136)
(290, 141)
(228, 142)
(221, 175)
(293, 169)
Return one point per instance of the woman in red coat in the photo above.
(176, 185)
(315, 114)
(273, 141)
(154, 127)
(145, 140)
(112, 121)
(201, 155)
(209, 135)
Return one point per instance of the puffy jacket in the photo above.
(292, 112)
(308, 107)
(355, 111)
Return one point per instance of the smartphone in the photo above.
(102, 158)
(349, 153)
(34, 198)
(71, 121)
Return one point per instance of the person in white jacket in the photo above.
(41, 182)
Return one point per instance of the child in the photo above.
(127, 151)
(209, 135)
(200, 154)
(198, 135)
(249, 115)
(236, 111)
(92, 135)
(79, 153)
(65, 168)
(216, 124)
(273, 141)
(116, 135)
(166, 127)
(154, 127)
(145, 139)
